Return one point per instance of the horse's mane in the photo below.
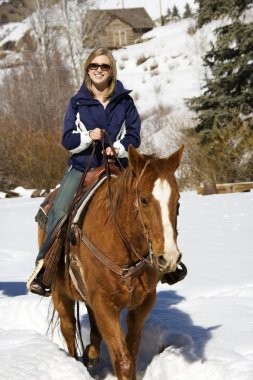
(125, 180)
(119, 187)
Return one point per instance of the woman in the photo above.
(102, 103)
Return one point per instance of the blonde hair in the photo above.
(113, 78)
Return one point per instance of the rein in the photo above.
(123, 238)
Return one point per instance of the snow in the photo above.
(200, 328)
(13, 31)
(176, 56)
(168, 51)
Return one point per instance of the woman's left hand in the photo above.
(109, 151)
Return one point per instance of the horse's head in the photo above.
(157, 198)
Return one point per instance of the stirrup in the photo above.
(34, 274)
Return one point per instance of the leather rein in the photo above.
(125, 272)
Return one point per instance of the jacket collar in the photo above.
(84, 93)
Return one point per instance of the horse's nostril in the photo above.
(179, 258)
(161, 260)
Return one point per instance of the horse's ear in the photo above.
(174, 159)
(136, 160)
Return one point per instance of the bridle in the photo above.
(125, 272)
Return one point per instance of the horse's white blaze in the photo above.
(161, 193)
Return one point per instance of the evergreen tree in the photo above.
(228, 93)
(175, 12)
(168, 14)
(224, 132)
(187, 11)
(211, 10)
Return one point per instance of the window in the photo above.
(120, 37)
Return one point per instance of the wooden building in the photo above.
(117, 27)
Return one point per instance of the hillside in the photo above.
(17, 21)
(162, 70)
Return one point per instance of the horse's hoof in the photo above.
(90, 363)
(90, 356)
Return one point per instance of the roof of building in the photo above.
(138, 18)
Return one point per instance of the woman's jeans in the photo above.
(63, 200)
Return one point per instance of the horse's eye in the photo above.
(144, 201)
(178, 206)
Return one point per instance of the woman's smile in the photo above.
(100, 75)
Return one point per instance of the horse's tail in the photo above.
(54, 323)
(53, 319)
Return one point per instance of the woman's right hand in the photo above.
(96, 134)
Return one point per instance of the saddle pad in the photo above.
(86, 199)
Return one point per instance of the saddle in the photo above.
(62, 232)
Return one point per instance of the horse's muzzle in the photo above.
(163, 265)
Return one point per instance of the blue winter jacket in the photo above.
(120, 119)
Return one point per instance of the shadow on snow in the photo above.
(13, 289)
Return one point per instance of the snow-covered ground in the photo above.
(204, 323)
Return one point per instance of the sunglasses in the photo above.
(103, 66)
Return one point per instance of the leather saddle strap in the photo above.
(133, 271)
(77, 276)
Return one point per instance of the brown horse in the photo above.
(140, 213)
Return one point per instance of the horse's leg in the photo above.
(135, 321)
(108, 321)
(92, 350)
(66, 310)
